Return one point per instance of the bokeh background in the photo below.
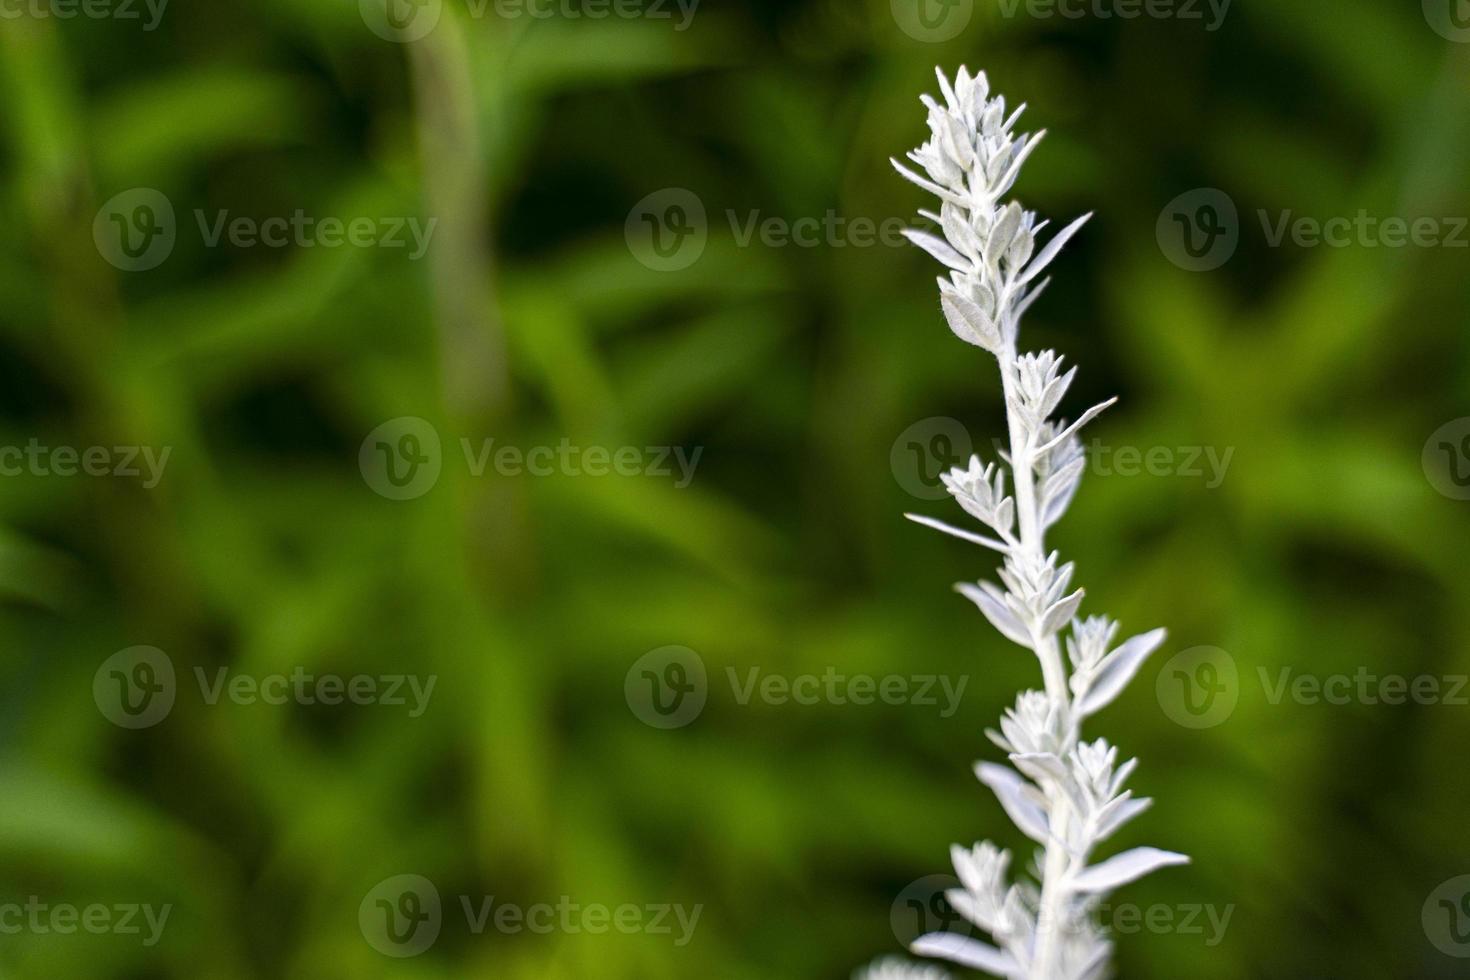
(1331, 545)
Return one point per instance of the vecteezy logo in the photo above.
(1446, 459)
(401, 916)
(921, 909)
(135, 230)
(401, 459)
(135, 688)
(402, 21)
(1449, 18)
(1199, 687)
(667, 688)
(925, 451)
(1458, 457)
(667, 230)
(1446, 917)
(932, 20)
(1457, 917)
(1199, 230)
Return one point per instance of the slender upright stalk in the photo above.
(1032, 536)
(1065, 794)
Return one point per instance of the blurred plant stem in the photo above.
(476, 384)
(472, 354)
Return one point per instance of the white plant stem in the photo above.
(1031, 534)
(1032, 543)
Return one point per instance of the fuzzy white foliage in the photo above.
(893, 968)
(1065, 794)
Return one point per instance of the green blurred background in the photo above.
(1326, 547)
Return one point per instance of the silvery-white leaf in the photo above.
(1056, 507)
(965, 867)
(982, 869)
(948, 91)
(939, 248)
(1020, 249)
(1063, 481)
(1005, 514)
(1016, 605)
(985, 299)
(979, 94)
(999, 615)
(984, 909)
(1054, 246)
(1052, 397)
(1071, 430)
(1013, 169)
(969, 322)
(958, 141)
(958, 533)
(1003, 232)
(1121, 776)
(1017, 798)
(1096, 967)
(966, 952)
(1059, 489)
(937, 161)
(942, 193)
(1119, 812)
(1065, 477)
(1122, 868)
(1061, 612)
(991, 117)
(967, 906)
(1118, 668)
(1000, 159)
(1040, 765)
(958, 231)
(1032, 295)
(976, 506)
(1060, 579)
